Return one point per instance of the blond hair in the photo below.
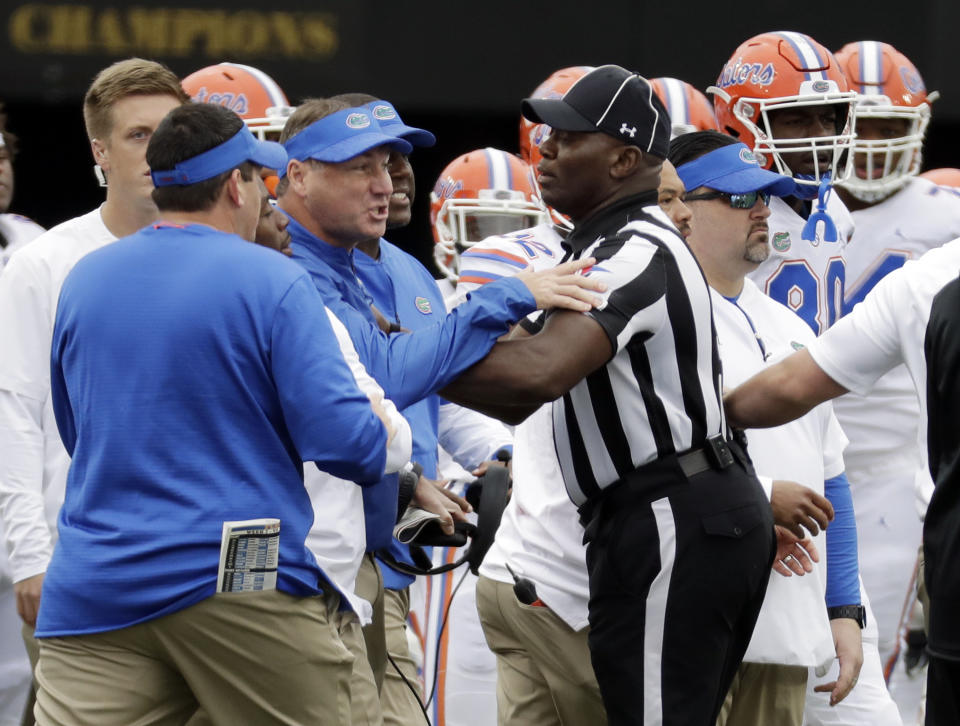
(130, 77)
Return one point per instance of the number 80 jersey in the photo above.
(807, 277)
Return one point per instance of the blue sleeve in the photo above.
(329, 418)
(411, 366)
(843, 576)
(380, 511)
(392, 579)
(62, 410)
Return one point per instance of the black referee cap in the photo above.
(609, 99)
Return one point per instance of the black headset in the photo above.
(494, 486)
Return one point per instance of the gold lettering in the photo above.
(200, 32)
(29, 28)
(112, 36)
(286, 36)
(248, 30)
(174, 32)
(319, 35)
(149, 30)
(70, 29)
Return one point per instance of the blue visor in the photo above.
(733, 169)
(389, 120)
(342, 136)
(242, 146)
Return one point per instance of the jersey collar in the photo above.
(609, 219)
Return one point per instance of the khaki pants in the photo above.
(763, 694)
(246, 658)
(365, 709)
(544, 676)
(401, 707)
(33, 654)
(370, 588)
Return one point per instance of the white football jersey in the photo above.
(904, 226)
(754, 332)
(888, 329)
(17, 231)
(537, 248)
(807, 277)
(540, 534)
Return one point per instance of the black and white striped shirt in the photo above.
(660, 392)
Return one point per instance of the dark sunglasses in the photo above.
(736, 201)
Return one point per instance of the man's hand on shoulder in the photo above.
(562, 287)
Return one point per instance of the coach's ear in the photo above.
(296, 176)
(233, 188)
(100, 155)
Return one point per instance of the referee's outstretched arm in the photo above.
(518, 376)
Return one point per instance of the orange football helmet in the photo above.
(784, 70)
(532, 134)
(249, 92)
(689, 109)
(888, 86)
(945, 177)
(480, 194)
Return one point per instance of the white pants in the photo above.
(15, 672)
(868, 704)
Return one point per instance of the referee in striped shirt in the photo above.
(679, 532)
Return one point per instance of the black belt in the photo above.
(715, 454)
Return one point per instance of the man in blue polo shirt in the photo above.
(191, 376)
(336, 190)
(405, 293)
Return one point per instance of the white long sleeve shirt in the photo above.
(338, 537)
(18, 231)
(33, 462)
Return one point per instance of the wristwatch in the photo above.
(854, 612)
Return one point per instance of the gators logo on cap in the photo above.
(358, 121)
(820, 86)
(781, 241)
(797, 346)
(748, 157)
(423, 305)
(384, 113)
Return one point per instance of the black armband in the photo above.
(533, 326)
(409, 475)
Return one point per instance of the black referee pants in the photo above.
(678, 571)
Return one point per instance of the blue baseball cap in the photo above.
(389, 120)
(342, 136)
(733, 169)
(241, 147)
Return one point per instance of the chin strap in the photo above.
(494, 488)
(809, 233)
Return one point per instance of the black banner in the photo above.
(441, 56)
